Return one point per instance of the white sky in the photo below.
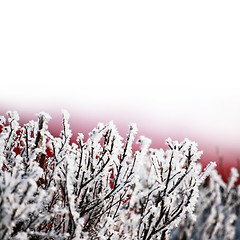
(178, 61)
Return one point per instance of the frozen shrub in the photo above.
(51, 188)
(165, 189)
(217, 211)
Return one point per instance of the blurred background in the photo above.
(172, 67)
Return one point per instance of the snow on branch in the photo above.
(100, 188)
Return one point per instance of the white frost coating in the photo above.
(2, 120)
(233, 178)
(101, 189)
(207, 171)
(144, 144)
(80, 137)
(45, 116)
(66, 131)
(216, 210)
(21, 236)
(65, 114)
(130, 139)
(12, 115)
(133, 127)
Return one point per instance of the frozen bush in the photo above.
(51, 188)
(217, 211)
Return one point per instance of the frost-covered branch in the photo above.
(51, 188)
(217, 211)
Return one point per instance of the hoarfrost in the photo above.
(102, 189)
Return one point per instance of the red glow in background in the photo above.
(170, 67)
(225, 155)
